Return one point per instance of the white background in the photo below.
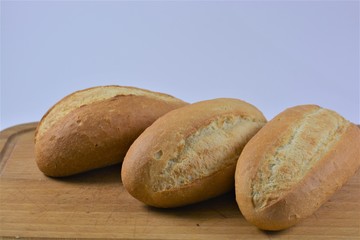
(273, 54)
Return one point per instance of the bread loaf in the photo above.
(94, 127)
(294, 164)
(189, 154)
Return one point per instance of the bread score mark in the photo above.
(92, 95)
(198, 155)
(297, 155)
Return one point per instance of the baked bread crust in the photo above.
(94, 128)
(277, 206)
(189, 154)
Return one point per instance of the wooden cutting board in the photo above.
(95, 205)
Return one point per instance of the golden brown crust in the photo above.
(338, 163)
(189, 154)
(97, 134)
(91, 95)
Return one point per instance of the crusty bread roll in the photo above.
(294, 164)
(189, 154)
(94, 127)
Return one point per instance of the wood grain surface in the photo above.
(95, 205)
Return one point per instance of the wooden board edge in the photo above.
(8, 136)
(7, 132)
